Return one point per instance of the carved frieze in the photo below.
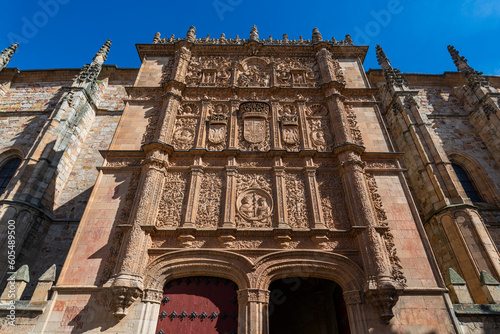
(254, 204)
(209, 71)
(296, 197)
(296, 72)
(210, 199)
(172, 203)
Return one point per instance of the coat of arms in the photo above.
(254, 121)
(217, 128)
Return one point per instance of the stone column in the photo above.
(127, 284)
(318, 227)
(355, 312)
(253, 315)
(275, 128)
(233, 125)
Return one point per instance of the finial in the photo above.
(102, 54)
(348, 40)
(191, 34)
(254, 34)
(392, 75)
(473, 78)
(285, 38)
(316, 37)
(157, 37)
(7, 54)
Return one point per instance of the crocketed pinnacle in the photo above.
(91, 71)
(7, 54)
(157, 37)
(473, 78)
(392, 75)
(103, 52)
(191, 34)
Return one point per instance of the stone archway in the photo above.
(307, 305)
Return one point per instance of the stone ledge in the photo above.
(477, 309)
(22, 306)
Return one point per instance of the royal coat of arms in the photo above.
(254, 121)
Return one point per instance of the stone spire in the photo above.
(473, 78)
(7, 54)
(191, 34)
(254, 34)
(316, 37)
(90, 72)
(392, 75)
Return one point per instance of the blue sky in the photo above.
(414, 34)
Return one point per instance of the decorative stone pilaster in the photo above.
(314, 198)
(275, 129)
(127, 284)
(194, 192)
(253, 311)
(304, 129)
(6, 55)
(230, 198)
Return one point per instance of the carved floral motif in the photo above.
(333, 201)
(172, 201)
(353, 125)
(296, 196)
(210, 198)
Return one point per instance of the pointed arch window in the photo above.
(467, 183)
(7, 172)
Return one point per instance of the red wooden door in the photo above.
(199, 305)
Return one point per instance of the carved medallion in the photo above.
(184, 137)
(254, 205)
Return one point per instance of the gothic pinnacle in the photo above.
(191, 34)
(382, 59)
(473, 78)
(392, 75)
(316, 37)
(254, 34)
(7, 54)
(102, 54)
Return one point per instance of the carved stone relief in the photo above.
(353, 125)
(166, 71)
(209, 202)
(129, 199)
(289, 127)
(333, 201)
(185, 126)
(209, 71)
(153, 117)
(297, 72)
(254, 203)
(296, 196)
(388, 237)
(254, 134)
(217, 127)
(253, 72)
(172, 203)
(319, 127)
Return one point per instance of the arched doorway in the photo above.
(204, 305)
(305, 305)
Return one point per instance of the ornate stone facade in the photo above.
(252, 160)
